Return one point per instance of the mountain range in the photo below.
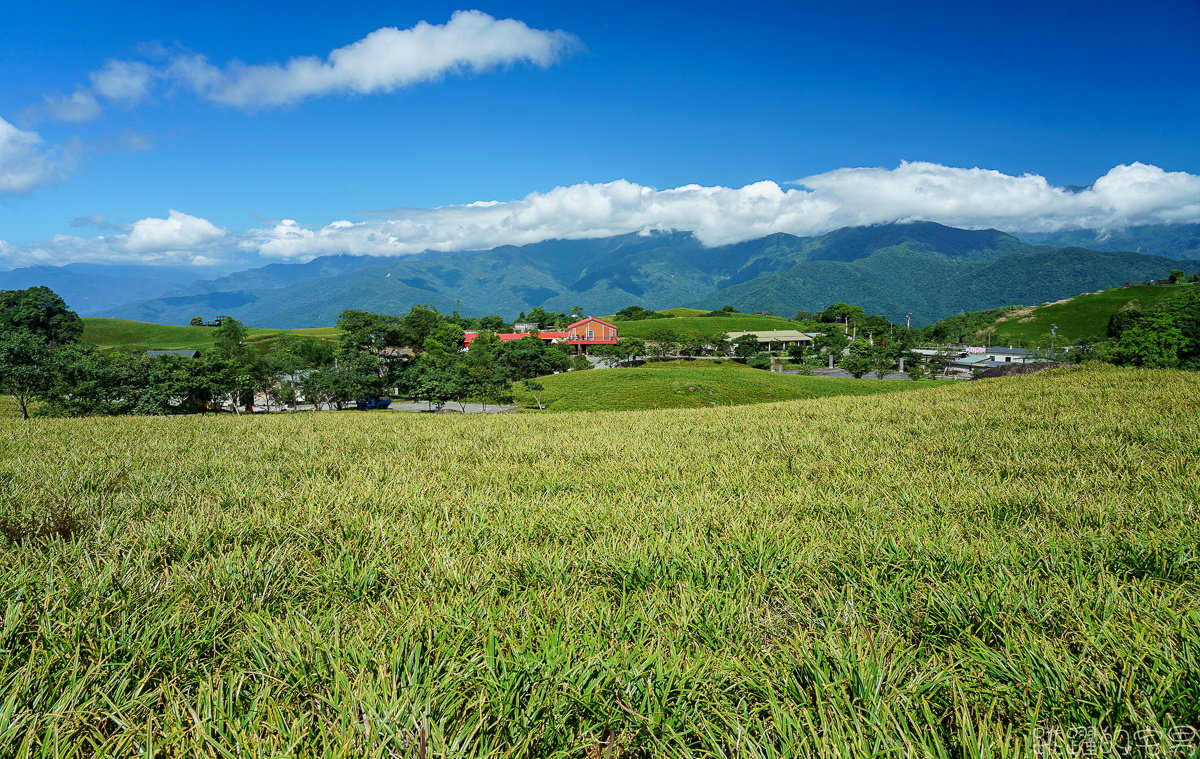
(922, 268)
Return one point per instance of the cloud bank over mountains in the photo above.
(1127, 196)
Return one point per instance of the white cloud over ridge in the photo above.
(1127, 196)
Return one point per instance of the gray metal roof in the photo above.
(188, 353)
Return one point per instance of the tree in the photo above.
(365, 331)
(39, 311)
(196, 322)
(1176, 276)
(418, 325)
(796, 352)
(662, 343)
(845, 313)
(25, 367)
(747, 346)
(759, 361)
(881, 364)
(1153, 342)
(626, 348)
(832, 342)
(530, 357)
(857, 364)
(534, 388)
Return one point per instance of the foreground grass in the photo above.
(1082, 318)
(939, 572)
(122, 334)
(688, 384)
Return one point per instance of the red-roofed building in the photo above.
(581, 334)
(591, 331)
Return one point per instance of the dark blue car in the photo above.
(373, 401)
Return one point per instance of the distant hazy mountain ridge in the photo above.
(927, 269)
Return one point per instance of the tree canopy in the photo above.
(39, 311)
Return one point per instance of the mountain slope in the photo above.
(87, 292)
(923, 268)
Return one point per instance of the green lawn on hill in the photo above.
(1081, 318)
(737, 323)
(700, 383)
(122, 334)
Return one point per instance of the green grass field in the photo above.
(121, 334)
(947, 572)
(710, 324)
(688, 384)
(1084, 317)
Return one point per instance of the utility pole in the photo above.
(908, 323)
(1053, 334)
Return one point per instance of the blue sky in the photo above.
(717, 95)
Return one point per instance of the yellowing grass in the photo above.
(932, 573)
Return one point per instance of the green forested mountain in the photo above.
(923, 268)
(1180, 241)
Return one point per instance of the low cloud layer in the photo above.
(385, 60)
(1127, 196)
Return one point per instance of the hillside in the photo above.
(706, 324)
(937, 572)
(1082, 318)
(121, 334)
(1179, 241)
(923, 268)
(896, 280)
(688, 384)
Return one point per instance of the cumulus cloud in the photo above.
(179, 231)
(23, 164)
(179, 238)
(385, 60)
(1128, 195)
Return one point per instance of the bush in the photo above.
(759, 361)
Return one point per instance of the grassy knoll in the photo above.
(688, 384)
(937, 573)
(110, 334)
(743, 322)
(1083, 317)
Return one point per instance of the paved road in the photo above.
(420, 407)
(843, 374)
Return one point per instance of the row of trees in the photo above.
(419, 355)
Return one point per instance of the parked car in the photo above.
(373, 401)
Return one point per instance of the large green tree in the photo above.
(39, 311)
(531, 357)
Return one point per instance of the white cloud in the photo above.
(126, 82)
(23, 164)
(1128, 195)
(78, 106)
(971, 198)
(385, 60)
(178, 239)
(179, 231)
